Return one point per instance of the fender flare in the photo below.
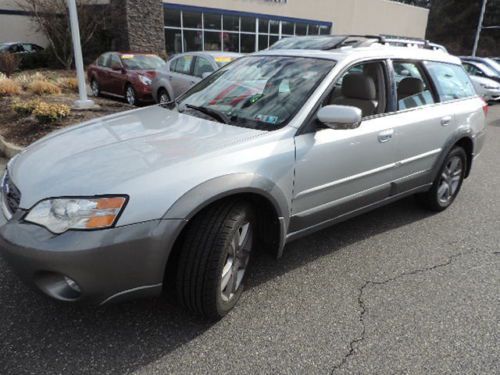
(199, 197)
(448, 145)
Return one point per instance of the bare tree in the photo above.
(52, 19)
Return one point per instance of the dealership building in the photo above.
(231, 25)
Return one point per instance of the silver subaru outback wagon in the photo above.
(267, 149)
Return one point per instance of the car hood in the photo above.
(100, 156)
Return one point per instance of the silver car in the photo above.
(267, 149)
(185, 70)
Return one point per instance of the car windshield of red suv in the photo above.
(142, 62)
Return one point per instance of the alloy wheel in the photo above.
(451, 177)
(94, 86)
(130, 95)
(238, 255)
(164, 98)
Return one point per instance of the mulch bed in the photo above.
(23, 131)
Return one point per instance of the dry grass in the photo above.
(44, 88)
(9, 87)
(68, 83)
(25, 79)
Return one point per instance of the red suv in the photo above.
(125, 75)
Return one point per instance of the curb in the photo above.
(9, 150)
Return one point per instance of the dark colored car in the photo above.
(20, 47)
(125, 75)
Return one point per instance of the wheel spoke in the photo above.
(243, 234)
(454, 164)
(226, 274)
(443, 190)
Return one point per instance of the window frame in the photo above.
(193, 65)
(176, 60)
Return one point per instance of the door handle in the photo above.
(445, 121)
(385, 136)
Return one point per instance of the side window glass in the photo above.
(101, 61)
(412, 88)
(28, 47)
(183, 64)
(115, 60)
(202, 66)
(362, 86)
(451, 80)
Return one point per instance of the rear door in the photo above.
(181, 74)
(117, 78)
(426, 116)
(102, 71)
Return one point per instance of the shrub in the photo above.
(25, 108)
(68, 83)
(46, 113)
(35, 60)
(9, 87)
(9, 63)
(25, 79)
(39, 87)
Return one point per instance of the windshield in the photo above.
(308, 42)
(260, 92)
(223, 60)
(4, 46)
(493, 64)
(142, 62)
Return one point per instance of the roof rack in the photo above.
(356, 40)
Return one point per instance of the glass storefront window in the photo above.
(212, 21)
(172, 17)
(324, 30)
(263, 41)
(248, 24)
(231, 23)
(300, 29)
(273, 39)
(173, 41)
(247, 43)
(263, 26)
(191, 19)
(287, 28)
(231, 42)
(313, 29)
(212, 40)
(274, 26)
(192, 40)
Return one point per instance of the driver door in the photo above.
(341, 171)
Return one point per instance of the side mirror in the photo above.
(340, 116)
(117, 67)
(205, 74)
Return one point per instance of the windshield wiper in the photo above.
(218, 115)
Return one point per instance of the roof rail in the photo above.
(368, 40)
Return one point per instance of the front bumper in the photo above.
(107, 265)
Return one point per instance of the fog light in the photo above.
(72, 284)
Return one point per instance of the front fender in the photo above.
(163, 83)
(199, 197)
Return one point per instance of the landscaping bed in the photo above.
(36, 103)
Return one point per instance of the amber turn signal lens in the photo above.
(110, 203)
(100, 221)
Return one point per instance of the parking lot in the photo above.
(395, 291)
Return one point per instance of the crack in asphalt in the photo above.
(363, 310)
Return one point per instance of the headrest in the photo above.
(410, 86)
(359, 86)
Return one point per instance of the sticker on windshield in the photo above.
(223, 59)
(127, 57)
(267, 119)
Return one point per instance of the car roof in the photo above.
(374, 51)
(213, 54)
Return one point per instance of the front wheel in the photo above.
(163, 97)
(214, 259)
(448, 182)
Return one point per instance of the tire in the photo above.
(210, 271)
(94, 86)
(131, 95)
(163, 96)
(448, 182)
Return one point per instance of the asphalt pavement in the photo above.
(395, 291)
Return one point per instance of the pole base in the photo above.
(82, 105)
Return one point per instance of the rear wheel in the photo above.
(214, 259)
(131, 96)
(448, 182)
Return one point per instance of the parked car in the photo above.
(481, 67)
(486, 88)
(185, 70)
(20, 47)
(125, 75)
(264, 151)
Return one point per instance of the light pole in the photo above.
(479, 28)
(84, 102)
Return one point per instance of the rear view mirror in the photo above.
(340, 116)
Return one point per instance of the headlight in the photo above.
(145, 80)
(60, 214)
(490, 87)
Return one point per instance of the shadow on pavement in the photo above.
(42, 336)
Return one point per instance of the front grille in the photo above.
(11, 194)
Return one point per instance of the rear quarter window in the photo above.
(451, 81)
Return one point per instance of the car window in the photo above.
(471, 69)
(451, 81)
(142, 62)
(16, 48)
(183, 64)
(28, 47)
(413, 90)
(115, 60)
(103, 59)
(201, 66)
